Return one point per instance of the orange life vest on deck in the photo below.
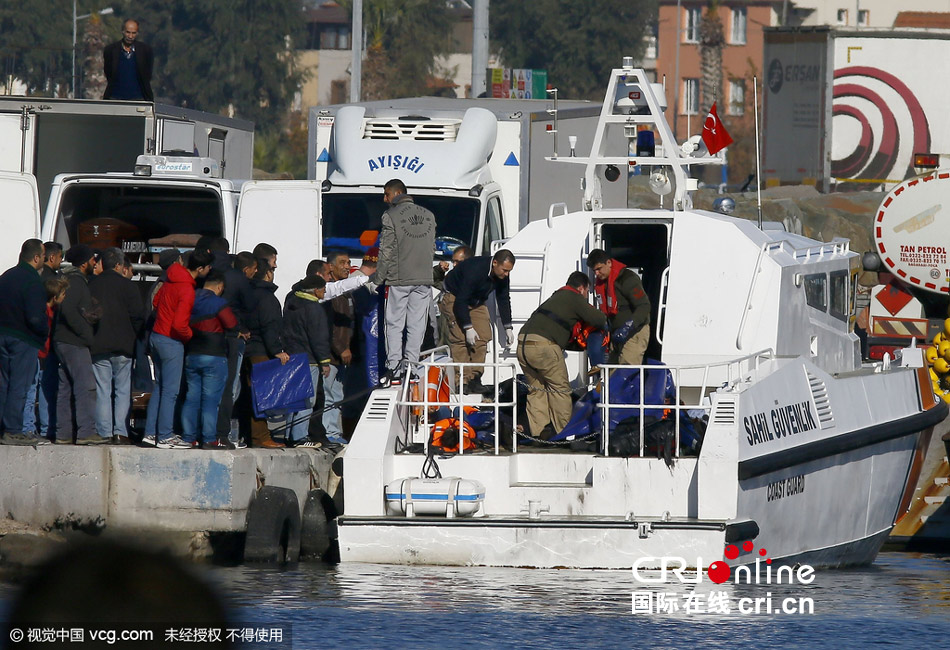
(445, 436)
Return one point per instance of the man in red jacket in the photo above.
(171, 331)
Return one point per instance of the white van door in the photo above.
(286, 215)
(21, 210)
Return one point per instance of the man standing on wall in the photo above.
(406, 245)
(127, 64)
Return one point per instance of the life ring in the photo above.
(273, 526)
(438, 391)
(318, 510)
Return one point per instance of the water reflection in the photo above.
(902, 597)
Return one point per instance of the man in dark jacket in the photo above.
(306, 331)
(127, 64)
(264, 323)
(54, 259)
(23, 332)
(541, 344)
(467, 289)
(72, 338)
(621, 297)
(113, 344)
(406, 247)
(239, 294)
(206, 365)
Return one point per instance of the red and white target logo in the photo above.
(878, 124)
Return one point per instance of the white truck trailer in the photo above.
(45, 137)
(478, 164)
(851, 108)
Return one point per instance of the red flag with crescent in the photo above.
(715, 135)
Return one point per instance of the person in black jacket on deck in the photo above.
(264, 322)
(467, 289)
(113, 344)
(23, 332)
(306, 330)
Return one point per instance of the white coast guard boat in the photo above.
(806, 451)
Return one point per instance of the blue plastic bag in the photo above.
(278, 389)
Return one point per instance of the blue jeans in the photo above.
(333, 389)
(17, 369)
(206, 376)
(29, 407)
(112, 417)
(168, 355)
(301, 419)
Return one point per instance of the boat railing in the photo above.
(735, 370)
(420, 403)
(415, 394)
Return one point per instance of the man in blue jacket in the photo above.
(23, 333)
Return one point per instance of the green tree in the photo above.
(35, 44)
(404, 37)
(224, 56)
(578, 43)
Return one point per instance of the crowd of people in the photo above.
(77, 340)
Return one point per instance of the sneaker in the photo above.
(174, 442)
(306, 443)
(148, 441)
(240, 444)
(220, 443)
(393, 378)
(94, 440)
(23, 439)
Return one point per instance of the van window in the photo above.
(493, 223)
(839, 295)
(139, 219)
(351, 222)
(815, 293)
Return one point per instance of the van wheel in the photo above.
(314, 525)
(273, 526)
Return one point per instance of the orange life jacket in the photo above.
(445, 436)
(438, 391)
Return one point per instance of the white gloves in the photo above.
(510, 333)
(471, 337)
(372, 286)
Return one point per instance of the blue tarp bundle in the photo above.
(278, 388)
(624, 389)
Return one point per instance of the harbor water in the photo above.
(903, 599)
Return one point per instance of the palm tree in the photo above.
(711, 41)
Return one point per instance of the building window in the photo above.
(690, 96)
(842, 16)
(693, 18)
(334, 37)
(739, 17)
(651, 43)
(864, 18)
(736, 97)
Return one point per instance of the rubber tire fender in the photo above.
(314, 525)
(273, 526)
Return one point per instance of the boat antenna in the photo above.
(758, 168)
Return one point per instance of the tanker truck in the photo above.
(911, 231)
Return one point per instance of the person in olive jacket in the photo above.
(541, 344)
(621, 297)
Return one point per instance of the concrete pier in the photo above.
(180, 490)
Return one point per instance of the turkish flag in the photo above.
(715, 135)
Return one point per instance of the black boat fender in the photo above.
(273, 526)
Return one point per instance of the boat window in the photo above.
(138, 219)
(839, 295)
(351, 222)
(815, 291)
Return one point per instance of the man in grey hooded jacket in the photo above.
(406, 245)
